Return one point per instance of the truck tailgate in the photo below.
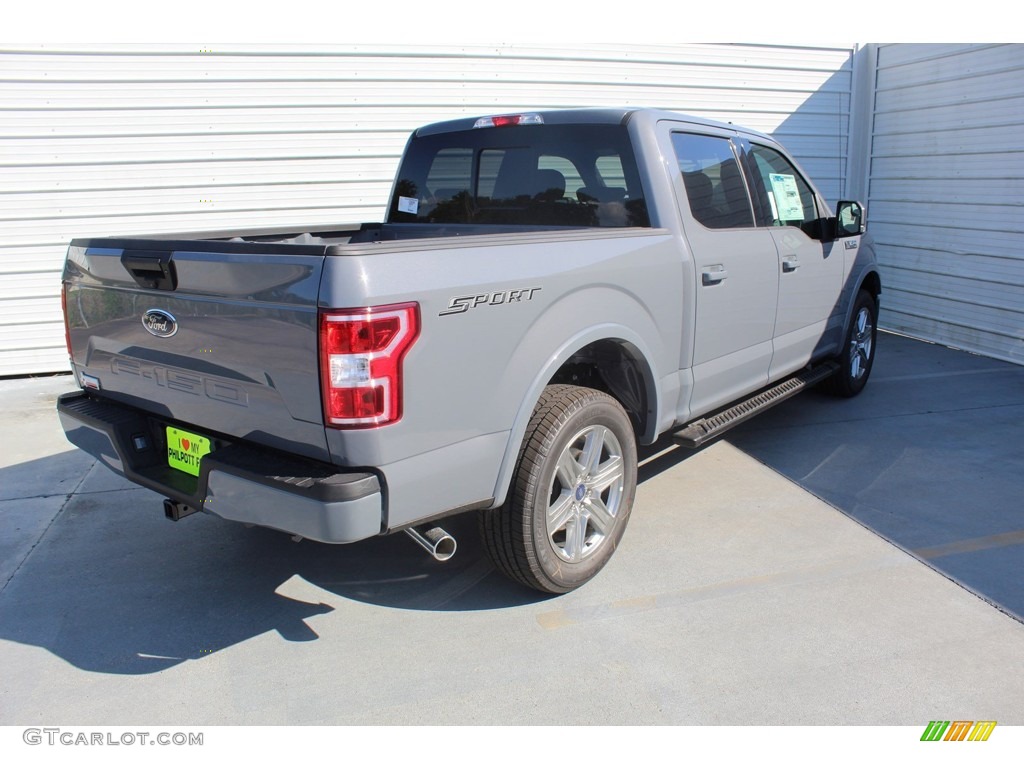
(219, 335)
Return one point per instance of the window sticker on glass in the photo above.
(787, 197)
(408, 205)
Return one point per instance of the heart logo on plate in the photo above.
(185, 443)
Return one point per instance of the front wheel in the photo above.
(571, 494)
(858, 353)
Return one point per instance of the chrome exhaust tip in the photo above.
(437, 541)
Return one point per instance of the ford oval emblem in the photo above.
(160, 323)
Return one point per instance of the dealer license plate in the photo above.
(185, 449)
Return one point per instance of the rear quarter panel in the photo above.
(473, 377)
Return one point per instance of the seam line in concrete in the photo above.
(753, 428)
(1008, 368)
(963, 546)
(74, 492)
(928, 563)
(46, 530)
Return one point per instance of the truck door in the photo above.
(736, 276)
(810, 272)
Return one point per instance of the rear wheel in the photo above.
(858, 353)
(571, 494)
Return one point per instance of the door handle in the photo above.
(790, 264)
(713, 275)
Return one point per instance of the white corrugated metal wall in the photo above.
(946, 193)
(138, 139)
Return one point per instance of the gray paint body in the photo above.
(244, 363)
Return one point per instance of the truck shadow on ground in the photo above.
(114, 587)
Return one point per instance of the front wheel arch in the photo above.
(857, 355)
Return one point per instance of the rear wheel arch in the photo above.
(617, 368)
(591, 358)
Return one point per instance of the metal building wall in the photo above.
(946, 193)
(112, 140)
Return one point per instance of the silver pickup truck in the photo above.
(548, 291)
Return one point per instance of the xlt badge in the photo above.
(160, 323)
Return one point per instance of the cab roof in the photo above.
(586, 115)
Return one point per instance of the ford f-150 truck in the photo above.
(548, 290)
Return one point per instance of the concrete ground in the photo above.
(831, 562)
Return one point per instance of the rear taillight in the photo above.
(361, 354)
(64, 311)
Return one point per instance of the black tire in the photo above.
(571, 494)
(858, 353)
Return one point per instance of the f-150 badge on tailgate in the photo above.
(160, 323)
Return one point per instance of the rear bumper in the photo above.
(236, 481)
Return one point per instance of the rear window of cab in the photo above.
(540, 175)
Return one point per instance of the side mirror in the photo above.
(851, 218)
